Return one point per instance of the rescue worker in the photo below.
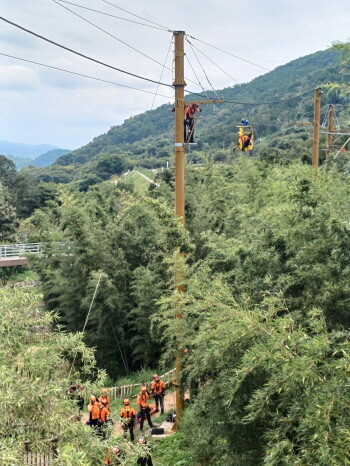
(128, 415)
(103, 416)
(94, 410)
(145, 458)
(158, 391)
(104, 397)
(246, 140)
(115, 456)
(142, 401)
(190, 112)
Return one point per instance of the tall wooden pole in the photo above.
(179, 84)
(316, 136)
(330, 128)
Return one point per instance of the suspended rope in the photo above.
(87, 318)
(211, 61)
(117, 17)
(205, 74)
(125, 362)
(194, 72)
(161, 74)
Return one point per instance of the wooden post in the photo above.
(316, 135)
(330, 128)
(179, 84)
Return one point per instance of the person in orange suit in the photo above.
(127, 415)
(142, 401)
(94, 411)
(158, 391)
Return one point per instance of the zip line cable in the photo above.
(194, 72)
(117, 17)
(205, 74)
(229, 53)
(82, 55)
(137, 16)
(82, 75)
(114, 37)
(108, 33)
(206, 56)
(87, 318)
(161, 74)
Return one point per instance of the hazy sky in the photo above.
(40, 105)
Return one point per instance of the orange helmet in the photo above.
(104, 391)
(126, 401)
(143, 388)
(104, 402)
(155, 376)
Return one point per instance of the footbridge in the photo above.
(19, 254)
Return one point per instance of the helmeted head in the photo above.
(104, 402)
(142, 440)
(92, 398)
(143, 388)
(104, 391)
(116, 450)
(155, 377)
(126, 401)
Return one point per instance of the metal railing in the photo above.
(19, 250)
(22, 250)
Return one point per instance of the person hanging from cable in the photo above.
(127, 417)
(142, 401)
(158, 391)
(246, 141)
(245, 122)
(190, 112)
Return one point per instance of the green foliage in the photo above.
(8, 219)
(33, 382)
(126, 240)
(266, 315)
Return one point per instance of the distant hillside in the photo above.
(24, 150)
(147, 139)
(49, 157)
(43, 160)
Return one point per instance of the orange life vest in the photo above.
(158, 387)
(142, 399)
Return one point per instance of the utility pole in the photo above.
(179, 85)
(316, 136)
(330, 128)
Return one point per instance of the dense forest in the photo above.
(266, 253)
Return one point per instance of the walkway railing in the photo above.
(22, 250)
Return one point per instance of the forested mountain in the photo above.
(43, 160)
(29, 151)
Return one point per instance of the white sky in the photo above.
(40, 106)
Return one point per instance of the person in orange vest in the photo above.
(104, 397)
(127, 415)
(142, 401)
(94, 410)
(190, 111)
(102, 421)
(158, 391)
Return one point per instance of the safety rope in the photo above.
(86, 320)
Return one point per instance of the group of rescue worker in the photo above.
(100, 416)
